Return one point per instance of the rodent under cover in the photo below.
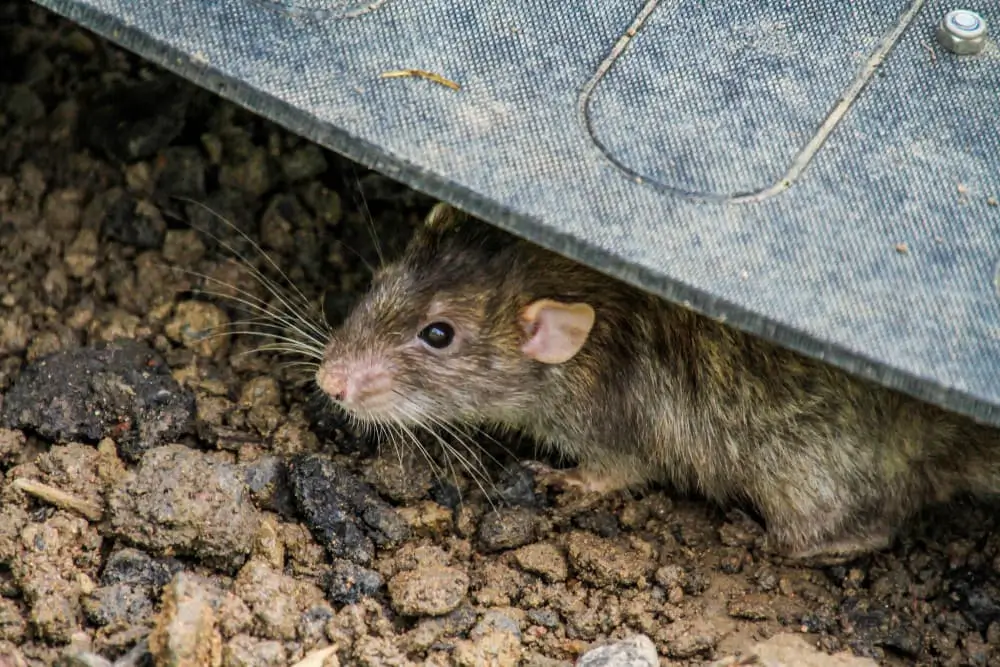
(475, 326)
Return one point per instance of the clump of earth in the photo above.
(170, 495)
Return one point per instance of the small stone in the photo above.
(62, 208)
(52, 567)
(322, 201)
(427, 518)
(11, 656)
(122, 390)
(402, 482)
(181, 501)
(495, 620)
(544, 617)
(267, 543)
(181, 172)
(12, 443)
(24, 105)
(260, 391)
(133, 121)
(347, 583)
(543, 558)
(344, 514)
(278, 601)
(134, 222)
(605, 562)
(81, 255)
(251, 176)
(12, 624)
(428, 591)
(185, 632)
(686, 640)
(507, 528)
(788, 650)
(199, 326)
(636, 651)
(183, 247)
(495, 649)
(267, 479)
(751, 607)
(303, 164)
(245, 651)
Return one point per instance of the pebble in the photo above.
(605, 562)
(344, 514)
(277, 600)
(199, 325)
(507, 528)
(246, 651)
(267, 479)
(12, 625)
(182, 247)
(12, 444)
(428, 591)
(134, 222)
(62, 208)
(494, 620)
(81, 254)
(251, 176)
(181, 172)
(303, 164)
(495, 649)
(122, 390)
(179, 500)
(788, 650)
(347, 583)
(543, 558)
(185, 632)
(636, 651)
(133, 121)
(53, 568)
(23, 104)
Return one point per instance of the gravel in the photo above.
(173, 496)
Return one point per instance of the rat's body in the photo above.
(639, 391)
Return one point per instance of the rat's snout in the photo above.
(360, 386)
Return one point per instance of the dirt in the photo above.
(172, 494)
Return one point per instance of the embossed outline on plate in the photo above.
(801, 159)
(299, 12)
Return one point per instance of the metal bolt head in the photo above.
(963, 32)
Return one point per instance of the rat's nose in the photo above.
(333, 381)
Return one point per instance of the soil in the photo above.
(172, 496)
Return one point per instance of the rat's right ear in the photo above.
(556, 331)
(443, 217)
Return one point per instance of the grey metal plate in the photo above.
(819, 172)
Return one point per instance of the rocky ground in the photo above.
(172, 497)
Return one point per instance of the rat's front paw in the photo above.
(575, 480)
(837, 551)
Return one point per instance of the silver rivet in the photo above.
(962, 31)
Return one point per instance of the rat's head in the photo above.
(459, 329)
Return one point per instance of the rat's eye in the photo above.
(438, 335)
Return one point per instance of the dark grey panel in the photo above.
(765, 162)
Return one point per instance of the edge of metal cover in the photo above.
(439, 186)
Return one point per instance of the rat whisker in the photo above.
(292, 344)
(276, 348)
(267, 283)
(481, 479)
(255, 303)
(369, 218)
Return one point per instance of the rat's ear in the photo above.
(556, 331)
(443, 217)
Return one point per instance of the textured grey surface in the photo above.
(684, 145)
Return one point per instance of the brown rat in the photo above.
(475, 326)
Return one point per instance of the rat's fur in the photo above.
(661, 394)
